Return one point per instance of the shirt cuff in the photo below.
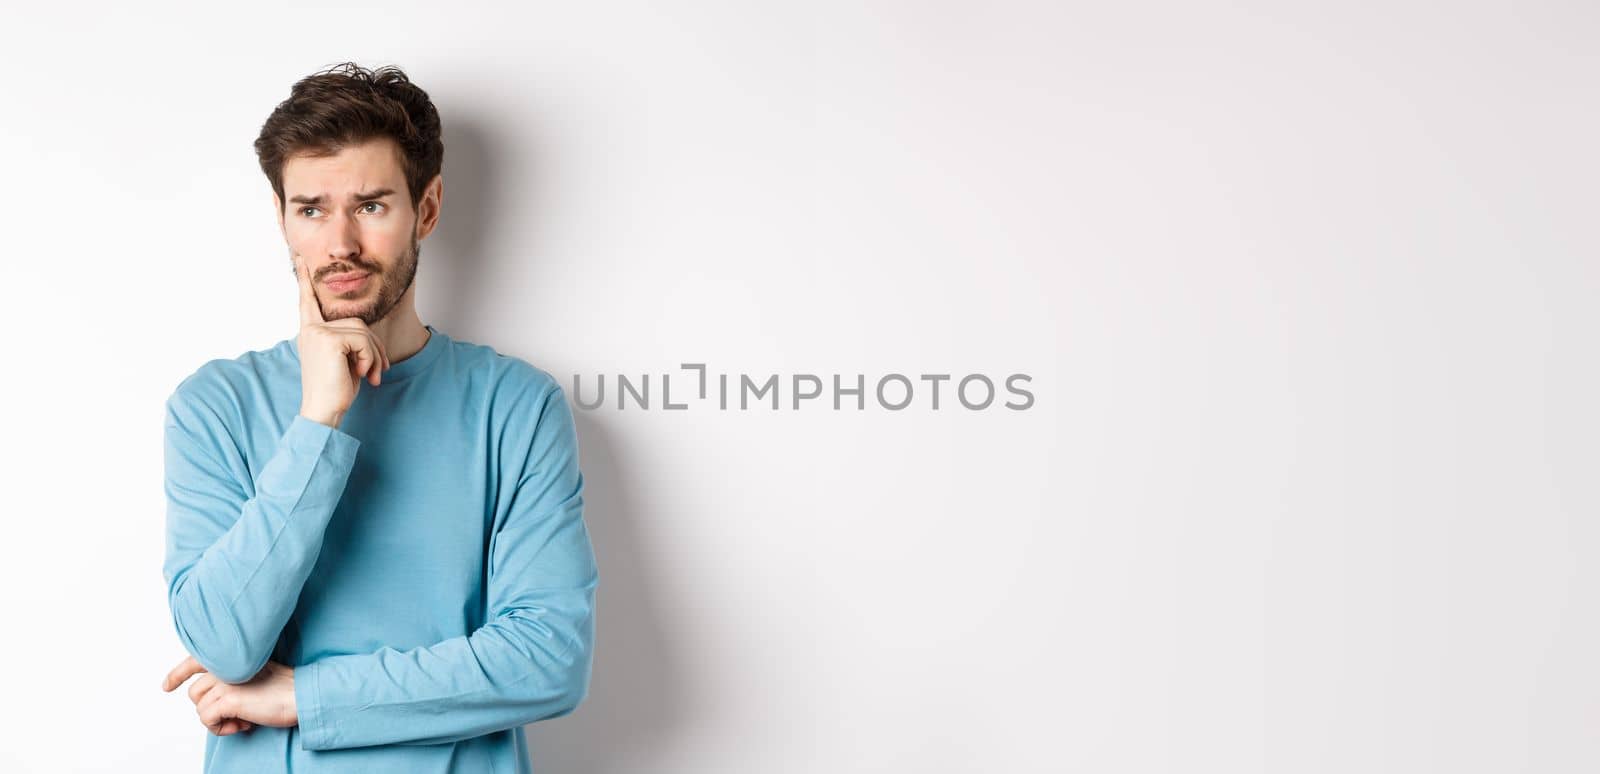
(312, 437)
(314, 733)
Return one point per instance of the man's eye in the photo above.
(306, 210)
(376, 206)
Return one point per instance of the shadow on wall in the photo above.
(634, 695)
(455, 258)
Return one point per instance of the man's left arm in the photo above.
(530, 662)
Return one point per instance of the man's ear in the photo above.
(277, 207)
(428, 209)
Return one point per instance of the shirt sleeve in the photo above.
(531, 661)
(239, 552)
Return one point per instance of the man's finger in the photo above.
(310, 312)
(355, 327)
(185, 669)
(355, 324)
(235, 726)
(367, 349)
(211, 711)
(197, 689)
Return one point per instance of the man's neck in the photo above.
(402, 333)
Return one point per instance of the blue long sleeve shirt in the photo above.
(424, 567)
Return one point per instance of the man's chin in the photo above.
(365, 313)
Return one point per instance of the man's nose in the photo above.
(345, 239)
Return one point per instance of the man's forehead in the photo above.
(366, 166)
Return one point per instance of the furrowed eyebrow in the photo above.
(358, 197)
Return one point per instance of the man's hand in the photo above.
(267, 700)
(334, 356)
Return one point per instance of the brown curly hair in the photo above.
(346, 104)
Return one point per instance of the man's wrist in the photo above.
(330, 419)
(294, 705)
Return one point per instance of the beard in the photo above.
(392, 285)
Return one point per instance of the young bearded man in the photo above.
(376, 553)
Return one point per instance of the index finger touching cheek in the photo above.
(310, 311)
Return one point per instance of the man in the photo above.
(376, 552)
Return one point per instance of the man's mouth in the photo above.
(346, 282)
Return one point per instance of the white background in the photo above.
(1307, 291)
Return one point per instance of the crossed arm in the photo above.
(237, 560)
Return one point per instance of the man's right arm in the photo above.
(239, 552)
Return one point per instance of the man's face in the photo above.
(350, 216)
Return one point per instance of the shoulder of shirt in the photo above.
(220, 383)
(507, 374)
